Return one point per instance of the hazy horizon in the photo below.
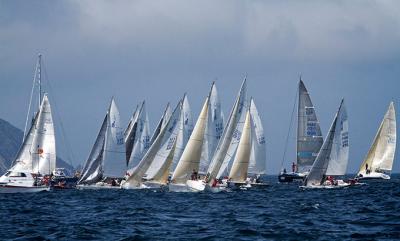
(158, 50)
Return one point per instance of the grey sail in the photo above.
(309, 136)
(130, 134)
(327, 153)
(91, 172)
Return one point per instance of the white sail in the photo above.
(381, 154)
(190, 159)
(114, 163)
(258, 150)
(240, 165)
(230, 137)
(142, 138)
(159, 150)
(326, 154)
(185, 130)
(130, 134)
(44, 146)
(213, 131)
(92, 170)
(226, 164)
(309, 135)
(23, 160)
(38, 151)
(162, 123)
(339, 157)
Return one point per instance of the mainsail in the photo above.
(190, 159)
(381, 154)
(335, 141)
(258, 149)
(185, 130)
(213, 131)
(230, 137)
(240, 165)
(38, 151)
(114, 164)
(158, 152)
(309, 136)
(340, 147)
(141, 137)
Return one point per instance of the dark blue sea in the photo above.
(279, 212)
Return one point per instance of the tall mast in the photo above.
(40, 77)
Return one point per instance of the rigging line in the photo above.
(290, 129)
(70, 154)
(30, 101)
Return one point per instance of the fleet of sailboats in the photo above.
(212, 155)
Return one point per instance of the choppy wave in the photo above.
(281, 211)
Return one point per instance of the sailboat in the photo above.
(309, 138)
(137, 136)
(213, 131)
(159, 171)
(379, 160)
(106, 164)
(185, 176)
(228, 143)
(159, 152)
(36, 157)
(333, 157)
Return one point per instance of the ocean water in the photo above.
(279, 212)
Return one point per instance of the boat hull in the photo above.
(291, 177)
(95, 187)
(373, 176)
(190, 186)
(22, 189)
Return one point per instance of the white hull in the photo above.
(373, 175)
(340, 184)
(190, 186)
(96, 187)
(153, 185)
(132, 187)
(22, 189)
(215, 189)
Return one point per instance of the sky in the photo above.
(158, 50)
